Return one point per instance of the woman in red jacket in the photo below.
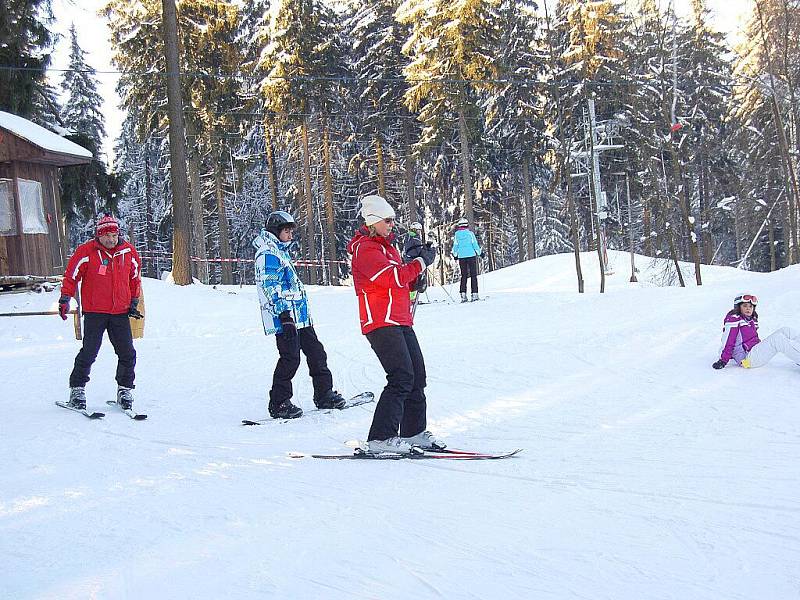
(109, 270)
(382, 283)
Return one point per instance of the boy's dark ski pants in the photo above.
(289, 361)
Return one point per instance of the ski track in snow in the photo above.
(645, 473)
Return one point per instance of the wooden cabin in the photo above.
(32, 238)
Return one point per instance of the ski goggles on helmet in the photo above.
(746, 298)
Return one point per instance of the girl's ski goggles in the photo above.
(746, 298)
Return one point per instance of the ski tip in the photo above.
(139, 417)
(249, 422)
(96, 415)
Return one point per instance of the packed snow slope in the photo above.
(645, 474)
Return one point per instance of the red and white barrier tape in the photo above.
(302, 263)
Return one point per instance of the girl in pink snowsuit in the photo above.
(741, 343)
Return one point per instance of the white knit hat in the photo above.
(462, 222)
(374, 209)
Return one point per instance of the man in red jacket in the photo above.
(110, 271)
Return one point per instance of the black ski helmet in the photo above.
(278, 220)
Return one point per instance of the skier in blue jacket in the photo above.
(466, 250)
(284, 312)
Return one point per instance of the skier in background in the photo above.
(740, 340)
(110, 271)
(413, 240)
(381, 282)
(284, 312)
(466, 250)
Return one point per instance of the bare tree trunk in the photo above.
(311, 242)
(707, 243)
(490, 245)
(271, 175)
(413, 210)
(149, 233)
(519, 211)
(224, 236)
(530, 207)
(466, 175)
(329, 212)
(380, 167)
(682, 194)
(793, 195)
(772, 257)
(787, 245)
(673, 253)
(595, 202)
(576, 236)
(648, 228)
(198, 231)
(737, 228)
(181, 265)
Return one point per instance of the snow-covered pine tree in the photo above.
(81, 187)
(143, 195)
(450, 47)
(514, 113)
(303, 63)
(82, 111)
(706, 77)
(25, 53)
(377, 65)
(595, 54)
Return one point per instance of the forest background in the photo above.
(552, 128)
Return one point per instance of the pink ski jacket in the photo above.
(739, 335)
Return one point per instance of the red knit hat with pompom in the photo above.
(107, 224)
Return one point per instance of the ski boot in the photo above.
(394, 445)
(285, 410)
(330, 399)
(425, 441)
(124, 398)
(77, 398)
(475, 296)
(464, 297)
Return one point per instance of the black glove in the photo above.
(289, 329)
(63, 307)
(428, 253)
(133, 311)
(719, 364)
(420, 283)
(413, 248)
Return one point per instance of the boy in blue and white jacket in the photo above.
(285, 312)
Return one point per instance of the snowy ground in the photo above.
(646, 474)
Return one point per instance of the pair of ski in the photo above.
(98, 415)
(357, 400)
(417, 454)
